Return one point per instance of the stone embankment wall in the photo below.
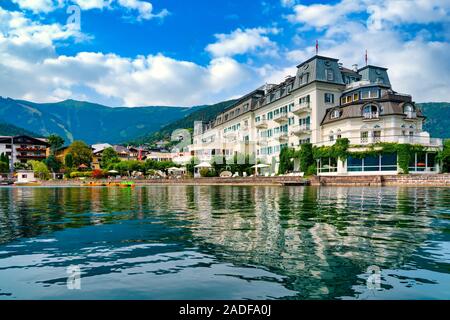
(417, 180)
(441, 180)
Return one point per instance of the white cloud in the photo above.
(28, 57)
(243, 41)
(324, 15)
(415, 61)
(144, 9)
(38, 5)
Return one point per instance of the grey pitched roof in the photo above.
(355, 110)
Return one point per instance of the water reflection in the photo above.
(199, 242)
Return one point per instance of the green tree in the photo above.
(109, 156)
(81, 152)
(4, 167)
(40, 169)
(68, 160)
(444, 157)
(285, 160)
(55, 142)
(306, 157)
(52, 163)
(22, 166)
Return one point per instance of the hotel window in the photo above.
(335, 114)
(246, 107)
(291, 121)
(380, 80)
(342, 100)
(258, 119)
(370, 111)
(355, 97)
(369, 93)
(339, 134)
(270, 115)
(377, 134)
(331, 136)
(329, 97)
(304, 78)
(364, 136)
(348, 99)
(329, 74)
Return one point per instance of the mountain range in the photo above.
(87, 121)
(93, 123)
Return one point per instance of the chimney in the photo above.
(355, 67)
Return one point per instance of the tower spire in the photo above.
(366, 58)
(317, 47)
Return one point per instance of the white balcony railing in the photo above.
(281, 117)
(262, 124)
(371, 115)
(301, 129)
(301, 108)
(410, 115)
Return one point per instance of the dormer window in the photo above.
(370, 111)
(329, 74)
(335, 114)
(409, 111)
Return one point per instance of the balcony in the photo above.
(282, 136)
(371, 116)
(31, 156)
(262, 143)
(282, 117)
(261, 124)
(410, 116)
(300, 130)
(31, 149)
(424, 141)
(302, 108)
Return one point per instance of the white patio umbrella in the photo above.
(113, 171)
(204, 165)
(201, 166)
(259, 166)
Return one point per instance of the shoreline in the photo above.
(413, 180)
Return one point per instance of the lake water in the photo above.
(225, 242)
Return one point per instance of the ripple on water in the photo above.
(224, 242)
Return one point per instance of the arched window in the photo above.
(364, 134)
(376, 134)
(408, 110)
(338, 134)
(370, 111)
(412, 130)
(331, 135)
(403, 130)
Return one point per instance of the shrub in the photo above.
(40, 169)
(79, 174)
(205, 172)
(98, 174)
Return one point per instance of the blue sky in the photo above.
(183, 53)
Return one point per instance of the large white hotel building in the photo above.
(322, 103)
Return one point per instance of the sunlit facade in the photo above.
(322, 103)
